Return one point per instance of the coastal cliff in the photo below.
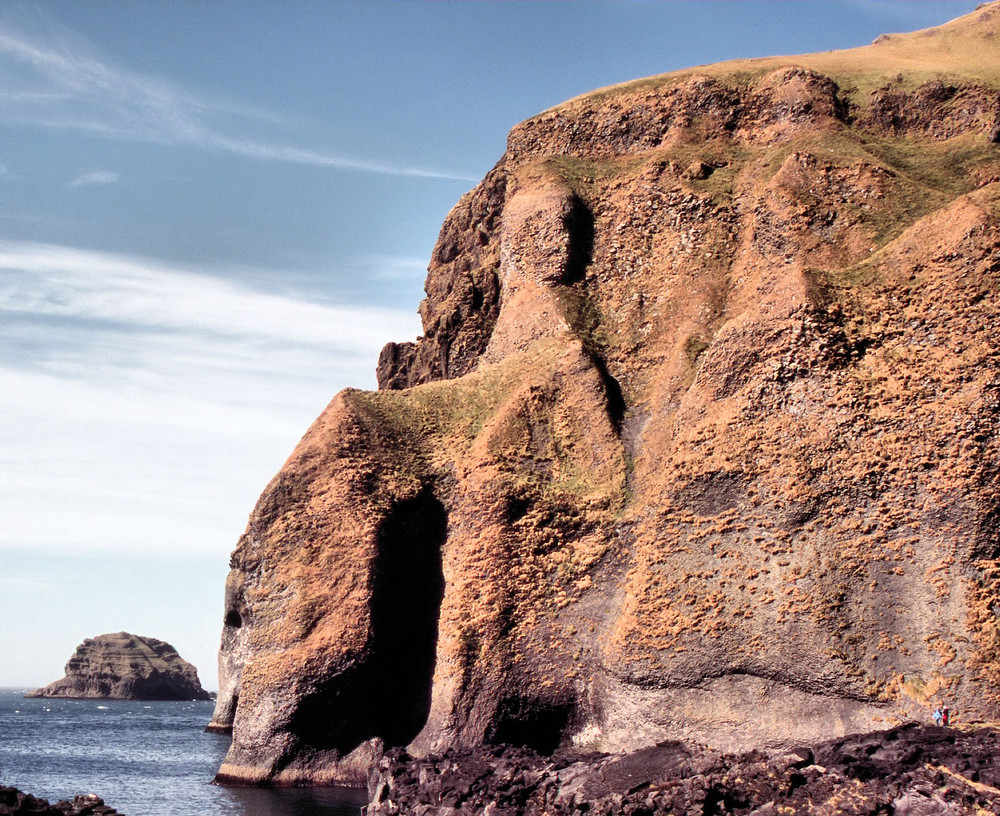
(699, 442)
(122, 666)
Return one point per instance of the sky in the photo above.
(213, 216)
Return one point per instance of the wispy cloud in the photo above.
(396, 267)
(52, 281)
(62, 83)
(146, 404)
(93, 177)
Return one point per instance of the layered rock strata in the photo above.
(699, 443)
(122, 666)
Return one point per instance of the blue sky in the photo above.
(212, 217)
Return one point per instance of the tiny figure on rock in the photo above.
(937, 715)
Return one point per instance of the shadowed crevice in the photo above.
(405, 606)
(529, 723)
(579, 223)
(387, 693)
(579, 307)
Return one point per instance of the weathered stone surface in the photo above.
(699, 444)
(907, 770)
(126, 667)
(15, 803)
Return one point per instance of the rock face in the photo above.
(126, 667)
(700, 442)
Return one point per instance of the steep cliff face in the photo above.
(700, 441)
(122, 666)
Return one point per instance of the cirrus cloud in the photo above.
(93, 177)
(60, 82)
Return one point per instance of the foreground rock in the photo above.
(700, 442)
(14, 803)
(126, 667)
(906, 771)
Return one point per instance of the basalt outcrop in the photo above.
(909, 770)
(16, 803)
(700, 442)
(122, 666)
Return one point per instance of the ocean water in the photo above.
(143, 758)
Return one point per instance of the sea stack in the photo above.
(700, 441)
(123, 666)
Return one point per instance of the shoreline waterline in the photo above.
(144, 758)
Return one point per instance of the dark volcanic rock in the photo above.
(126, 667)
(910, 769)
(13, 803)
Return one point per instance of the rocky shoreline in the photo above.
(14, 802)
(910, 770)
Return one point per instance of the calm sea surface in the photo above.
(143, 758)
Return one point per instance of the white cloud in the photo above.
(63, 84)
(94, 177)
(63, 282)
(396, 267)
(146, 405)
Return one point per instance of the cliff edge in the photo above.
(122, 666)
(699, 442)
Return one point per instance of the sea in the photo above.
(142, 758)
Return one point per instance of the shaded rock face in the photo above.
(463, 294)
(699, 443)
(126, 667)
(906, 770)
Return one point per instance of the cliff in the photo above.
(126, 667)
(699, 442)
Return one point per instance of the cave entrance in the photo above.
(531, 723)
(405, 606)
(388, 694)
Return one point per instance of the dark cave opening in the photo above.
(388, 693)
(534, 724)
(406, 603)
(579, 222)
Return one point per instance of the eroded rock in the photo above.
(16, 803)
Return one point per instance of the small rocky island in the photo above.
(122, 666)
